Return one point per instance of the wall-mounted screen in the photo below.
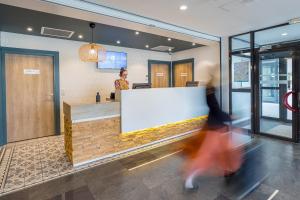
(114, 60)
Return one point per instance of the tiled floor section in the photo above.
(4, 164)
(35, 161)
(162, 180)
(31, 162)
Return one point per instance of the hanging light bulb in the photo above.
(92, 52)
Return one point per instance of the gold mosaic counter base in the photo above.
(87, 141)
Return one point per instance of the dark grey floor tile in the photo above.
(284, 196)
(222, 197)
(56, 187)
(21, 195)
(261, 193)
(162, 180)
(138, 160)
(119, 187)
(79, 194)
(102, 171)
(58, 197)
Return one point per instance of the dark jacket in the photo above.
(216, 117)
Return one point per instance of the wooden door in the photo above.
(183, 72)
(29, 96)
(160, 77)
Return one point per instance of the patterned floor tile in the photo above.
(39, 160)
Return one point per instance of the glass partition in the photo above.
(241, 74)
(288, 33)
(264, 67)
(241, 89)
(276, 71)
(241, 42)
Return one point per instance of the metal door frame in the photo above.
(56, 87)
(295, 86)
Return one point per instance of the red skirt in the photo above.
(215, 155)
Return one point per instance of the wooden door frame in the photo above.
(56, 87)
(190, 60)
(150, 62)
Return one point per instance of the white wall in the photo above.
(79, 81)
(207, 60)
(205, 57)
(225, 73)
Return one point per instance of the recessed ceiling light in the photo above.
(80, 36)
(118, 42)
(137, 33)
(284, 34)
(169, 39)
(29, 29)
(170, 49)
(147, 46)
(194, 44)
(183, 7)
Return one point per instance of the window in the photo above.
(240, 73)
(241, 42)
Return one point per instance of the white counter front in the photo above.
(147, 108)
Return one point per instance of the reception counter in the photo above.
(143, 117)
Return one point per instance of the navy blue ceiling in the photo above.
(15, 19)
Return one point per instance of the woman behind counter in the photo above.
(121, 84)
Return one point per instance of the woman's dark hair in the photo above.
(122, 70)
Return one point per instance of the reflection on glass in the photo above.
(280, 34)
(241, 109)
(241, 76)
(270, 73)
(275, 81)
(270, 103)
(241, 90)
(241, 42)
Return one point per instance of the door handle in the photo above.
(286, 103)
(50, 97)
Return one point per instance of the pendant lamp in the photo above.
(92, 52)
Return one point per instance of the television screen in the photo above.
(114, 60)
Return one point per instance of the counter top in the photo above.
(91, 112)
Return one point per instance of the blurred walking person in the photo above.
(212, 151)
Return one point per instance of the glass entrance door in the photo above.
(277, 77)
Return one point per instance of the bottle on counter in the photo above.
(98, 98)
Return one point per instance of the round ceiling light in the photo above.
(118, 42)
(29, 29)
(147, 46)
(169, 39)
(284, 34)
(183, 7)
(137, 33)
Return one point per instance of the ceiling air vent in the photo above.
(56, 32)
(162, 48)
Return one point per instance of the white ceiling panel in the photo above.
(216, 17)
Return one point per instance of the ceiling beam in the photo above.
(103, 10)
